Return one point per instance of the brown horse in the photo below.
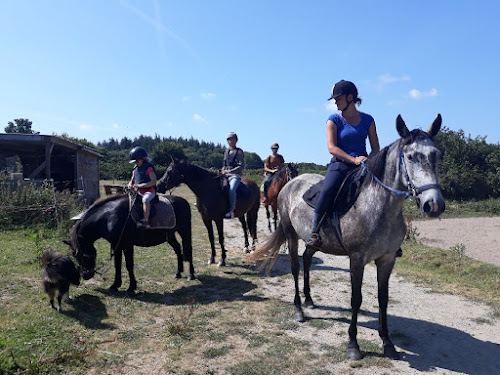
(212, 200)
(279, 179)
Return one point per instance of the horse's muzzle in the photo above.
(432, 207)
(87, 274)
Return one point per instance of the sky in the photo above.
(101, 69)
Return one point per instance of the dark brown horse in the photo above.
(212, 200)
(109, 218)
(279, 179)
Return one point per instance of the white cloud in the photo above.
(207, 95)
(417, 94)
(115, 126)
(85, 127)
(198, 118)
(185, 98)
(387, 78)
(330, 106)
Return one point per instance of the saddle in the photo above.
(162, 215)
(346, 196)
(242, 191)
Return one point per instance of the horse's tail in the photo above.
(267, 252)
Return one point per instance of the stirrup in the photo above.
(143, 223)
(314, 239)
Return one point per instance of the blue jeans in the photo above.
(266, 181)
(234, 181)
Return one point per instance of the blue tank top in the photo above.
(352, 139)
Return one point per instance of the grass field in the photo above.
(219, 323)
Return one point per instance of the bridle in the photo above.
(412, 189)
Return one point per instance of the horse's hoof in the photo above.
(177, 276)
(390, 352)
(309, 304)
(247, 250)
(354, 354)
(299, 317)
(222, 263)
(211, 261)
(130, 293)
(112, 290)
(191, 277)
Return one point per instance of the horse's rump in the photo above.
(162, 214)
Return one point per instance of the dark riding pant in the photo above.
(335, 174)
(266, 182)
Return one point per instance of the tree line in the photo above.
(469, 168)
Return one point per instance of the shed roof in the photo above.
(32, 143)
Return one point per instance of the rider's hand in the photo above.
(359, 159)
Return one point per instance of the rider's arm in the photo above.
(373, 137)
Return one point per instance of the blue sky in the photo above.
(98, 69)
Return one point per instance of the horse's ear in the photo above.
(436, 125)
(401, 127)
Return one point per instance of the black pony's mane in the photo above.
(92, 209)
(377, 163)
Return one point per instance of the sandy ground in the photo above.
(434, 332)
(481, 236)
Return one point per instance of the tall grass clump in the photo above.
(26, 205)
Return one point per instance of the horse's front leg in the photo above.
(220, 230)
(384, 269)
(357, 270)
(307, 256)
(245, 232)
(210, 230)
(118, 271)
(129, 263)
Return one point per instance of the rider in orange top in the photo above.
(272, 164)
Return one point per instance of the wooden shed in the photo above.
(70, 165)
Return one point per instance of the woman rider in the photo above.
(346, 135)
(233, 165)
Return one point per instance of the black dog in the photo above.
(60, 272)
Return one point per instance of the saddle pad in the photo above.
(164, 217)
(348, 194)
(162, 214)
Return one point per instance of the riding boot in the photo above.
(314, 238)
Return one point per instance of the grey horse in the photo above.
(373, 228)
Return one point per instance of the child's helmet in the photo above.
(137, 153)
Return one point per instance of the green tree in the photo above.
(162, 153)
(253, 161)
(20, 126)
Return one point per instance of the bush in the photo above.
(29, 204)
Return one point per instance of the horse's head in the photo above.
(172, 177)
(418, 165)
(84, 252)
(291, 171)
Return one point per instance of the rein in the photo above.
(412, 189)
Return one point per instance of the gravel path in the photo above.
(434, 332)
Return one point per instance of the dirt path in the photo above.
(480, 235)
(434, 332)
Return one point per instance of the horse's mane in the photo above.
(196, 170)
(95, 206)
(279, 174)
(377, 163)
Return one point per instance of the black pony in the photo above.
(109, 218)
